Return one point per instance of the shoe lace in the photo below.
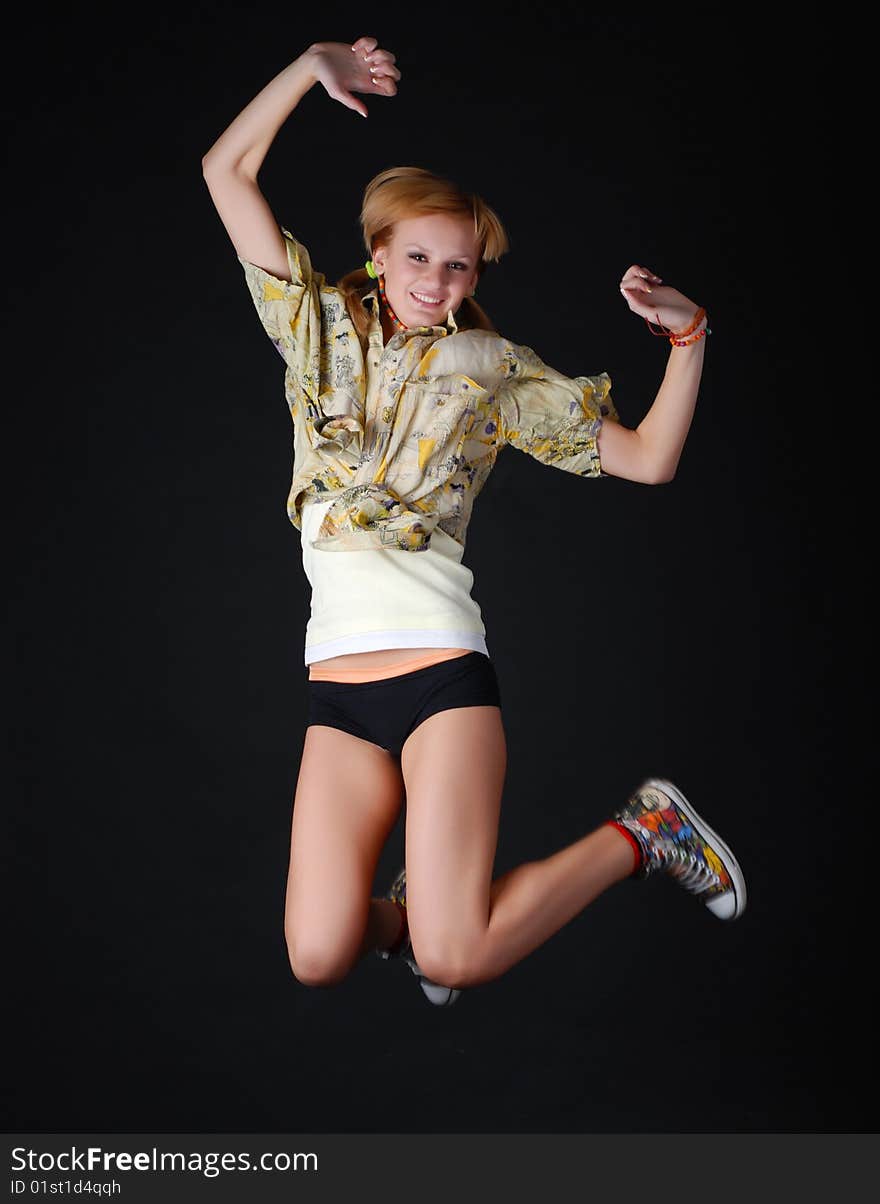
(688, 870)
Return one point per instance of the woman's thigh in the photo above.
(454, 765)
(349, 793)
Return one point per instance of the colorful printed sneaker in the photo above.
(441, 997)
(673, 838)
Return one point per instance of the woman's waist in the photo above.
(356, 666)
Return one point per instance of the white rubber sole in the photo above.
(441, 997)
(732, 903)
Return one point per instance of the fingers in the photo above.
(364, 46)
(350, 102)
(385, 85)
(644, 273)
(637, 278)
(382, 63)
(380, 60)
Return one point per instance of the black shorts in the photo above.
(386, 712)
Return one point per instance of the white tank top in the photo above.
(385, 598)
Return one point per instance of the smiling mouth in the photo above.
(425, 300)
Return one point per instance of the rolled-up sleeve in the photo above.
(290, 311)
(552, 417)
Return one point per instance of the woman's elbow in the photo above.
(645, 470)
(661, 475)
(659, 467)
(625, 453)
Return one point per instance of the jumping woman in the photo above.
(402, 394)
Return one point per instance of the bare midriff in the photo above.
(385, 662)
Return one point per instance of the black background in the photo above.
(711, 630)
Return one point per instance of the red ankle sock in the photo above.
(637, 848)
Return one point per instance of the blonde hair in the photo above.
(401, 192)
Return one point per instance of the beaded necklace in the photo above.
(391, 314)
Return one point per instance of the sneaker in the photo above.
(396, 893)
(441, 997)
(676, 840)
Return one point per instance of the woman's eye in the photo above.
(417, 255)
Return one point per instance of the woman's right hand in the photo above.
(361, 67)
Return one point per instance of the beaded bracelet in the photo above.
(681, 339)
(687, 342)
(666, 333)
(698, 317)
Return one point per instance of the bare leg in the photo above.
(464, 927)
(536, 899)
(348, 796)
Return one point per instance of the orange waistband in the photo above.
(379, 672)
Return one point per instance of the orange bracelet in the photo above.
(698, 317)
(687, 342)
(666, 333)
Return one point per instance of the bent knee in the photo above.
(449, 963)
(316, 965)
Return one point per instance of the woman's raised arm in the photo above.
(651, 452)
(231, 166)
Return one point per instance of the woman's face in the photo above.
(430, 266)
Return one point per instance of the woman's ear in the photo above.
(379, 260)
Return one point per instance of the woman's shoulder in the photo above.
(478, 354)
(506, 359)
(303, 270)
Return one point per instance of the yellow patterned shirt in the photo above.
(402, 437)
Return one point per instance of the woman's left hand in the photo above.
(647, 296)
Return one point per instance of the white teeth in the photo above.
(428, 300)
